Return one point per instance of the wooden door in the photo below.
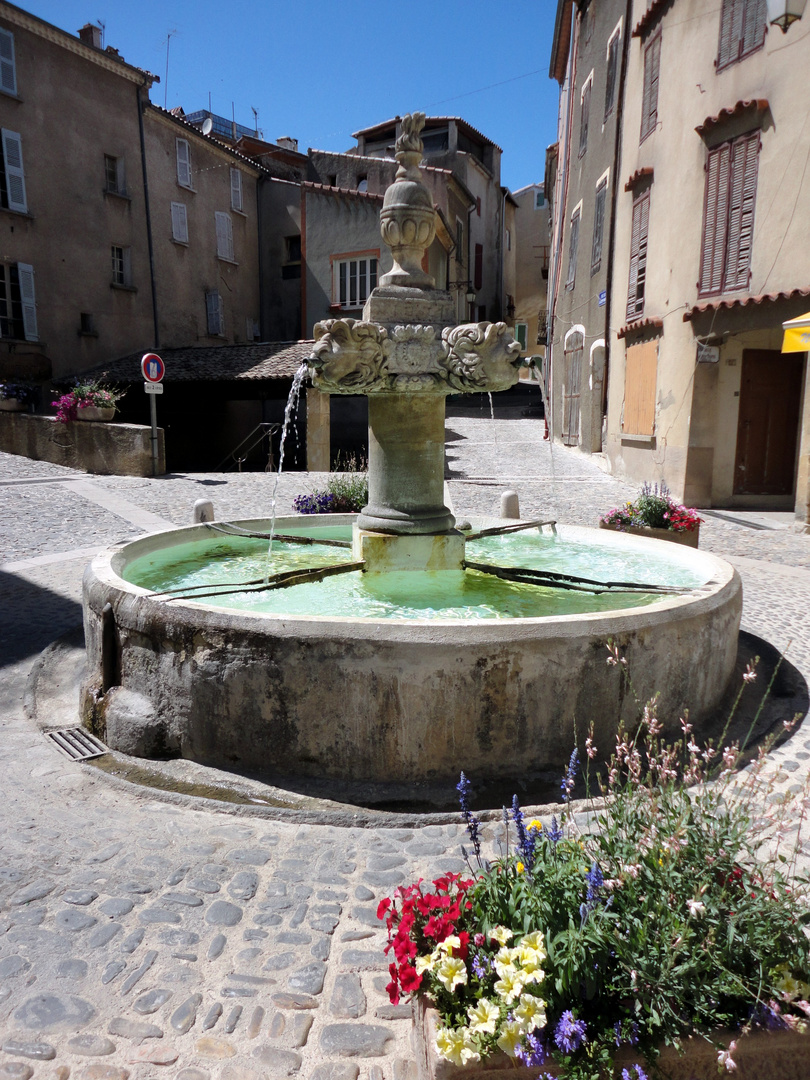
(768, 426)
(571, 389)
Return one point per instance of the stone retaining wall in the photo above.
(107, 448)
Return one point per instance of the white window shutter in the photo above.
(179, 222)
(236, 190)
(224, 236)
(28, 298)
(15, 179)
(120, 176)
(183, 164)
(214, 312)
(8, 69)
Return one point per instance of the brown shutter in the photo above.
(640, 373)
(649, 103)
(598, 226)
(479, 267)
(730, 32)
(743, 192)
(584, 114)
(638, 256)
(754, 17)
(715, 216)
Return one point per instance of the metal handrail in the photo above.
(265, 429)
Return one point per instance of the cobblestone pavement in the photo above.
(143, 939)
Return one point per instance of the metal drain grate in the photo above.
(76, 743)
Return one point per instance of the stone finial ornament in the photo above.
(408, 219)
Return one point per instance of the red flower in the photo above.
(409, 979)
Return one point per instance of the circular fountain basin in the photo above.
(431, 677)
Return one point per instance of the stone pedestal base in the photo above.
(383, 553)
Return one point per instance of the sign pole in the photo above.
(153, 415)
(153, 370)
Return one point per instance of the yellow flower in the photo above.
(456, 1046)
(484, 1017)
(510, 1037)
(501, 934)
(535, 824)
(534, 940)
(451, 972)
(530, 960)
(519, 867)
(531, 1011)
(452, 941)
(510, 985)
(423, 964)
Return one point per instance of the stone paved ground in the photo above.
(144, 939)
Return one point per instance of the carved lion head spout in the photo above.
(349, 357)
(480, 356)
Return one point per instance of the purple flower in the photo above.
(480, 968)
(464, 788)
(640, 1074)
(567, 785)
(532, 1051)
(525, 844)
(554, 833)
(595, 880)
(569, 1033)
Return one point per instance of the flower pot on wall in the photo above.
(12, 405)
(779, 1055)
(94, 412)
(689, 537)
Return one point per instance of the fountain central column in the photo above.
(406, 356)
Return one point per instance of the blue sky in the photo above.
(318, 69)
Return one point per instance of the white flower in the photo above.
(501, 934)
(452, 941)
(451, 972)
(510, 985)
(724, 1059)
(696, 907)
(484, 1016)
(424, 963)
(457, 1046)
(510, 1037)
(531, 1011)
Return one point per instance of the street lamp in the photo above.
(782, 13)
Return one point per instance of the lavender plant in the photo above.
(345, 492)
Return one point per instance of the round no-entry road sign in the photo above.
(152, 367)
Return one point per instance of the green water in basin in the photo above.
(407, 595)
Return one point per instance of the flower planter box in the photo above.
(94, 412)
(12, 405)
(689, 537)
(777, 1055)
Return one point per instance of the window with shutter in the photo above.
(640, 374)
(8, 67)
(521, 334)
(179, 223)
(728, 215)
(236, 190)
(598, 225)
(25, 274)
(114, 175)
(478, 278)
(612, 72)
(638, 256)
(584, 115)
(13, 197)
(742, 30)
(353, 279)
(649, 102)
(183, 163)
(224, 236)
(572, 249)
(214, 313)
(121, 266)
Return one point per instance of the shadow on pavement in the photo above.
(31, 617)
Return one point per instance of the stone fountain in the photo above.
(373, 708)
(407, 356)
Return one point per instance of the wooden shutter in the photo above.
(213, 312)
(640, 372)
(715, 217)
(612, 69)
(754, 22)
(649, 102)
(236, 190)
(572, 251)
(742, 197)
(28, 298)
(731, 17)
(598, 226)
(8, 69)
(15, 179)
(183, 164)
(224, 236)
(584, 114)
(478, 280)
(179, 222)
(572, 377)
(638, 256)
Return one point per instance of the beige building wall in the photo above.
(73, 105)
(531, 250)
(187, 271)
(693, 446)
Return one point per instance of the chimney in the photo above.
(90, 34)
(287, 143)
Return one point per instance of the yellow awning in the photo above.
(797, 334)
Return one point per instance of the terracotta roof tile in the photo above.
(655, 9)
(742, 301)
(753, 105)
(270, 360)
(641, 324)
(430, 122)
(311, 185)
(637, 177)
